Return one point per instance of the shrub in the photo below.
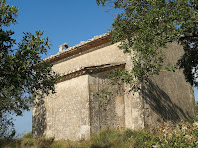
(179, 135)
(28, 143)
(145, 139)
(112, 138)
(196, 107)
(10, 143)
(28, 135)
(105, 138)
(44, 142)
(71, 144)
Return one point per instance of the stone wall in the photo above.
(106, 103)
(96, 56)
(106, 54)
(67, 111)
(39, 120)
(168, 97)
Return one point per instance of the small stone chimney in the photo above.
(63, 47)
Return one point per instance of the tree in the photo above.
(146, 26)
(24, 76)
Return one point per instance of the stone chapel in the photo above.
(77, 111)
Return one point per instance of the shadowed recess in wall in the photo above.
(39, 120)
(158, 105)
(106, 103)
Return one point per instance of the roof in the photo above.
(79, 48)
(90, 70)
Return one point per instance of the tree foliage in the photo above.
(146, 26)
(23, 74)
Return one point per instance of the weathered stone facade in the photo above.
(77, 111)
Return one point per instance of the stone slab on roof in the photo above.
(90, 70)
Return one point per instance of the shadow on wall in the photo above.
(159, 107)
(39, 120)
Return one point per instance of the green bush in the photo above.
(112, 138)
(195, 133)
(71, 144)
(28, 143)
(28, 135)
(105, 138)
(44, 142)
(10, 143)
(178, 141)
(179, 135)
(127, 134)
(145, 139)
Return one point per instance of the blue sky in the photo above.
(62, 21)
